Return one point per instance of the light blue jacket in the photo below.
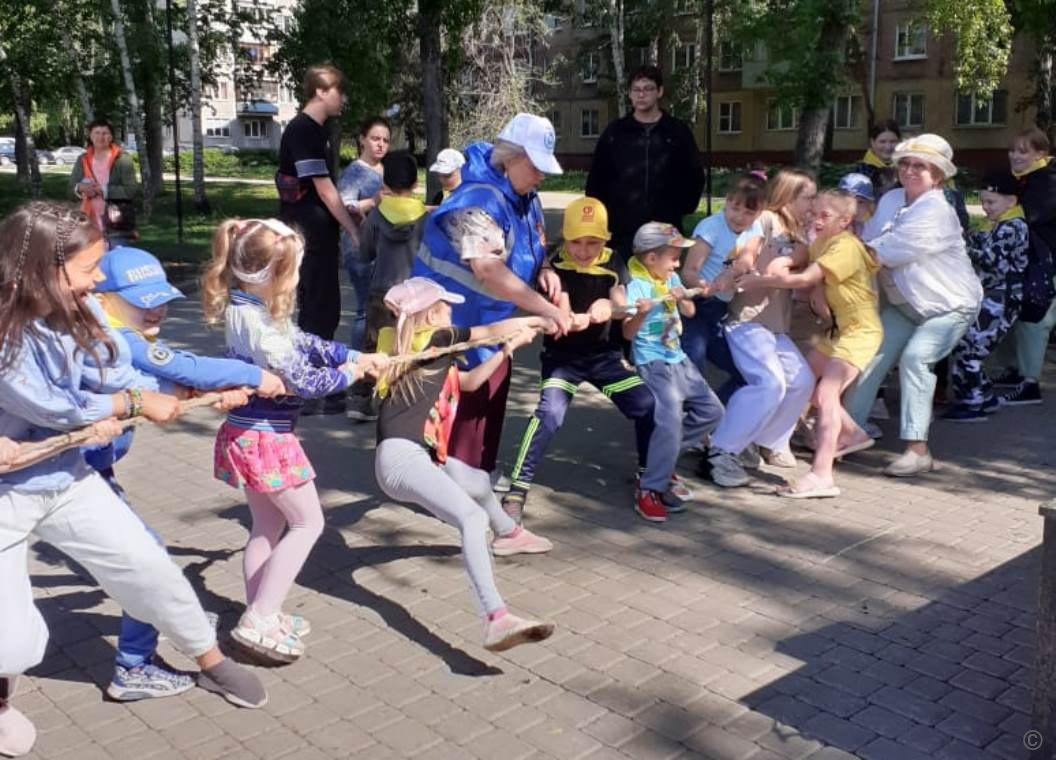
(50, 389)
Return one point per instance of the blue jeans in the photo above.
(137, 641)
(686, 410)
(704, 342)
(916, 348)
(359, 274)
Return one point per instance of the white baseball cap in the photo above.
(448, 161)
(536, 135)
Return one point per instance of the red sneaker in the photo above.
(650, 507)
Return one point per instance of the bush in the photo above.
(249, 164)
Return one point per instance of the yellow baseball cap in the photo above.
(586, 217)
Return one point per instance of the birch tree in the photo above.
(134, 112)
(201, 203)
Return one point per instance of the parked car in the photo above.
(44, 157)
(7, 151)
(67, 154)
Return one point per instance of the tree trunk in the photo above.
(810, 142)
(154, 150)
(433, 105)
(201, 203)
(1044, 88)
(133, 104)
(698, 67)
(23, 139)
(616, 36)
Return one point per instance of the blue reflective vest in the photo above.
(521, 219)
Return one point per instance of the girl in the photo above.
(49, 261)
(251, 284)
(845, 267)
(413, 430)
(360, 187)
(778, 380)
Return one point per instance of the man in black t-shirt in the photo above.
(590, 289)
(309, 200)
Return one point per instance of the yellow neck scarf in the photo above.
(1013, 212)
(387, 345)
(399, 210)
(639, 271)
(566, 262)
(1041, 163)
(117, 324)
(871, 159)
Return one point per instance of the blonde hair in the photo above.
(782, 190)
(844, 202)
(322, 76)
(404, 378)
(250, 246)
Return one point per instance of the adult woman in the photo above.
(104, 181)
(930, 292)
(486, 242)
(1025, 348)
(876, 164)
(360, 184)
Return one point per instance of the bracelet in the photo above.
(134, 400)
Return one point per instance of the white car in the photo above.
(67, 154)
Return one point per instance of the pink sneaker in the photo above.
(521, 541)
(509, 631)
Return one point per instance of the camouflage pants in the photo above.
(971, 385)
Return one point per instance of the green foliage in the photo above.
(245, 164)
(983, 33)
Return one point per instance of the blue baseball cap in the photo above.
(136, 276)
(858, 185)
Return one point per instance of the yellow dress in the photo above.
(849, 268)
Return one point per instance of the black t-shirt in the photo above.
(584, 289)
(303, 154)
(400, 419)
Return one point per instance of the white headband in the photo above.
(262, 276)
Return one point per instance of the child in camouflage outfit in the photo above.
(1000, 259)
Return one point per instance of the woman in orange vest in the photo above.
(104, 181)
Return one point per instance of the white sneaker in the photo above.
(776, 458)
(500, 483)
(17, 732)
(909, 464)
(509, 631)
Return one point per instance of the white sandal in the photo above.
(274, 642)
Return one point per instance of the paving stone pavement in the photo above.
(893, 622)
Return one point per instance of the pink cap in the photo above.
(418, 293)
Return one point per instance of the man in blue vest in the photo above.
(487, 242)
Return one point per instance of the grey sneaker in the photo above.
(147, 682)
(751, 457)
(726, 469)
(910, 464)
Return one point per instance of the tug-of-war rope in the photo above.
(32, 452)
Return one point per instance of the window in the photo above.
(268, 90)
(590, 124)
(845, 111)
(255, 129)
(974, 111)
(590, 68)
(729, 118)
(257, 54)
(553, 23)
(555, 119)
(219, 91)
(215, 128)
(683, 56)
(781, 116)
(286, 94)
(911, 41)
(908, 109)
(731, 56)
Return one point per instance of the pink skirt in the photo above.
(265, 460)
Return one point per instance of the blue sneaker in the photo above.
(147, 682)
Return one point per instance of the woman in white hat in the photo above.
(929, 291)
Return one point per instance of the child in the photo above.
(861, 187)
(414, 425)
(388, 243)
(589, 290)
(135, 295)
(1000, 256)
(715, 241)
(251, 284)
(686, 408)
(841, 262)
(778, 380)
(448, 169)
(47, 329)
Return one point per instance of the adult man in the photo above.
(646, 166)
(309, 199)
(487, 242)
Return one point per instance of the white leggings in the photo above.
(94, 527)
(455, 494)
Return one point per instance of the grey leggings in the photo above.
(456, 493)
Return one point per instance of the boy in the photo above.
(389, 241)
(686, 408)
(1000, 256)
(135, 297)
(714, 240)
(861, 187)
(589, 291)
(448, 169)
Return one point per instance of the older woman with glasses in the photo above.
(930, 293)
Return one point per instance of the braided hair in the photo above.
(36, 241)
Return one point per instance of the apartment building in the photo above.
(909, 78)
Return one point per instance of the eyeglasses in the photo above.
(647, 90)
(916, 167)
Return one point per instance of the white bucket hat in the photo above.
(448, 161)
(930, 148)
(536, 135)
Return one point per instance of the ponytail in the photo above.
(216, 279)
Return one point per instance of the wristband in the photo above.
(134, 399)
